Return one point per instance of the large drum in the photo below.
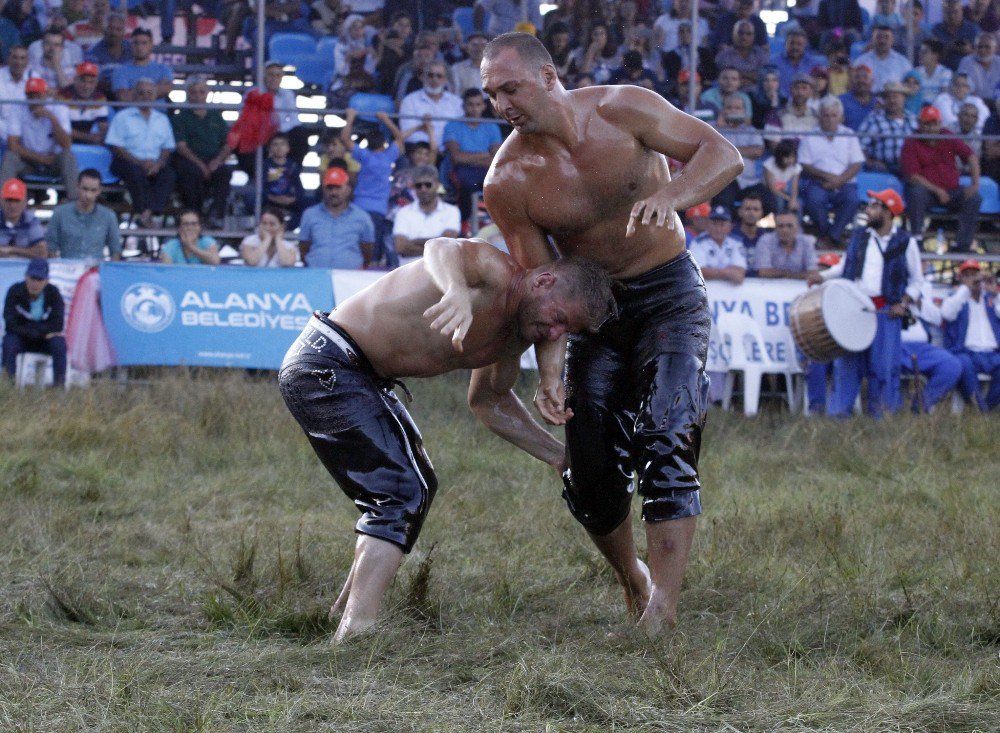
(832, 320)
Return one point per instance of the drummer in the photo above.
(884, 260)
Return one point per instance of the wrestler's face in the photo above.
(520, 94)
(547, 313)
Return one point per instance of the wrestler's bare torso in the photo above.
(582, 195)
(387, 322)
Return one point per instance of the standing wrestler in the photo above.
(588, 169)
(464, 305)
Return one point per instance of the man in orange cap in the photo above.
(89, 123)
(972, 331)
(21, 234)
(884, 261)
(336, 233)
(931, 178)
(38, 139)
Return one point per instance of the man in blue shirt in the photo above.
(471, 147)
(83, 229)
(336, 234)
(142, 66)
(795, 59)
(21, 234)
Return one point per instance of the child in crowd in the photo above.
(335, 149)
(282, 185)
(781, 176)
(914, 92)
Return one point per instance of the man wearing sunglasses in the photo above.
(425, 218)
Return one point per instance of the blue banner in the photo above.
(208, 316)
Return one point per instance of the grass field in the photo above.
(168, 553)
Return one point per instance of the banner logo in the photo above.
(148, 307)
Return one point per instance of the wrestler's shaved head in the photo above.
(527, 47)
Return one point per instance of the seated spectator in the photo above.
(786, 252)
(734, 125)
(680, 58)
(432, 99)
(201, 154)
(111, 51)
(89, 123)
(38, 139)
(142, 66)
(142, 141)
(886, 63)
(838, 68)
(719, 254)
(982, 67)
(335, 152)
(598, 56)
(471, 147)
(267, 247)
(633, 72)
(504, 15)
(782, 175)
(465, 73)
(950, 102)
(887, 16)
(54, 61)
(282, 188)
(33, 314)
(972, 332)
(696, 221)
(391, 56)
(913, 13)
(83, 229)
(13, 77)
(425, 218)
(930, 177)
(336, 233)
(941, 369)
(749, 231)
(794, 61)
(190, 246)
(724, 29)
(557, 40)
(859, 102)
(914, 92)
(86, 25)
(819, 77)
(956, 34)
(795, 117)
(970, 128)
(354, 62)
(728, 83)
(409, 77)
(766, 98)
(840, 17)
(884, 130)
(935, 77)
(991, 148)
(830, 162)
(984, 13)
(21, 234)
(640, 40)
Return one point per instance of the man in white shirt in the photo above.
(942, 369)
(886, 64)
(830, 163)
(13, 77)
(972, 332)
(425, 218)
(432, 99)
(38, 139)
(884, 261)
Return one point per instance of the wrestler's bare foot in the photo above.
(338, 606)
(660, 615)
(637, 588)
(353, 628)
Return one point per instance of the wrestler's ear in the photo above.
(549, 76)
(545, 280)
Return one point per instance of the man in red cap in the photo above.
(884, 261)
(972, 331)
(931, 178)
(89, 123)
(21, 234)
(336, 233)
(38, 139)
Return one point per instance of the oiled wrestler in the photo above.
(465, 305)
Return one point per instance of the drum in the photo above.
(832, 320)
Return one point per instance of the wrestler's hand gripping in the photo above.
(452, 315)
(659, 205)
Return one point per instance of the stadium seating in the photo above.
(315, 70)
(97, 157)
(286, 46)
(877, 181)
(325, 47)
(988, 190)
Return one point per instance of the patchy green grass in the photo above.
(169, 551)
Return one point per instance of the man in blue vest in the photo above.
(883, 259)
(972, 332)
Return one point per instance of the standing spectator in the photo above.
(941, 369)
(830, 162)
(744, 55)
(972, 332)
(734, 125)
(54, 63)
(142, 66)
(884, 261)
(794, 60)
(749, 231)
(426, 218)
(886, 64)
(111, 51)
(335, 233)
(142, 141)
(21, 14)
(465, 73)
(930, 175)
(267, 247)
(796, 116)
(949, 103)
(33, 314)
(38, 139)
(89, 123)
(286, 115)
(504, 15)
(13, 77)
(728, 83)
(471, 146)
(21, 234)
(782, 175)
(282, 188)
(859, 102)
(83, 229)
(190, 246)
(432, 99)
(884, 130)
(955, 33)
(201, 153)
(982, 67)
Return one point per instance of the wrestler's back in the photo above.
(583, 197)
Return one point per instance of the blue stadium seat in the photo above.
(857, 48)
(877, 181)
(97, 157)
(368, 104)
(989, 191)
(315, 70)
(776, 44)
(284, 46)
(325, 46)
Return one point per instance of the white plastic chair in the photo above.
(741, 338)
(33, 370)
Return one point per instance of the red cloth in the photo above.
(90, 348)
(935, 159)
(256, 124)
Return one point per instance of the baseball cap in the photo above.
(890, 198)
(802, 79)
(35, 85)
(87, 68)
(720, 213)
(929, 113)
(335, 177)
(829, 259)
(893, 86)
(14, 189)
(38, 268)
(685, 75)
(969, 265)
(702, 209)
